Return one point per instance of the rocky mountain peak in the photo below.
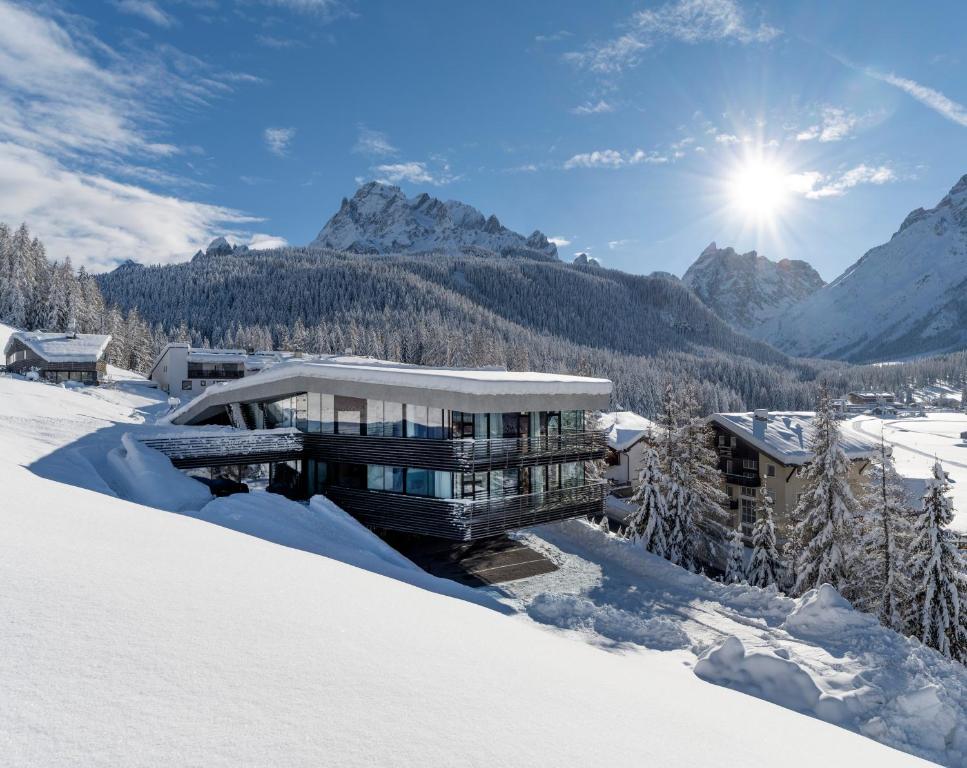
(380, 218)
(746, 289)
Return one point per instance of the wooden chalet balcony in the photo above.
(464, 519)
(747, 479)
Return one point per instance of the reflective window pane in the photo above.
(417, 482)
(374, 417)
(393, 419)
(327, 413)
(416, 421)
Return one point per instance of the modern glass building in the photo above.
(456, 453)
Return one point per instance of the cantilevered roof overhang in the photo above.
(473, 390)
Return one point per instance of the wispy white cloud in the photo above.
(272, 41)
(835, 124)
(559, 241)
(278, 140)
(414, 172)
(370, 142)
(617, 245)
(561, 34)
(688, 21)
(934, 99)
(98, 221)
(146, 9)
(588, 108)
(815, 185)
(81, 124)
(262, 242)
(612, 158)
(326, 10)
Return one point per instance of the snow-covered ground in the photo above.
(254, 631)
(916, 441)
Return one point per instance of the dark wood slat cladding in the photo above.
(467, 520)
(466, 455)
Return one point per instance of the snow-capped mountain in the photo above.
(901, 299)
(380, 218)
(746, 289)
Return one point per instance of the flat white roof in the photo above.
(786, 436)
(202, 355)
(62, 347)
(625, 428)
(367, 370)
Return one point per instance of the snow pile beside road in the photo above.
(145, 476)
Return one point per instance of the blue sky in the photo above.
(637, 132)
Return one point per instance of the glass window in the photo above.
(301, 411)
(553, 422)
(771, 470)
(748, 512)
(496, 425)
(416, 421)
(553, 477)
(434, 423)
(394, 479)
(511, 482)
(511, 426)
(496, 483)
(572, 474)
(374, 417)
(417, 481)
(375, 474)
(535, 425)
(480, 426)
(442, 485)
(313, 413)
(327, 411)
(538, 479)
(393, 419)
(350, 415)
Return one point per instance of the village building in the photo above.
(770, 449)
(58, 357)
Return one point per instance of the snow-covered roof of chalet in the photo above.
(786, 436)
(624, 428)
(467, 389)
(201, 355)
(62, 347)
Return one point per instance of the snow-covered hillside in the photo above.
(381, 219)
(746, 289)
(252, 630)
(903, 298)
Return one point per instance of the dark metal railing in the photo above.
(747, 479)
(220, 450)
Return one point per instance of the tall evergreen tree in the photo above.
(649, 523)
(735, 563)
(825, 513)
(765, 565)
(882, 583)
(939, 574)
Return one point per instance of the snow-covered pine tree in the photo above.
(881, 583)
(765, 565)
(649, 522)
(825, 513)
(937, 570)
(735, 563)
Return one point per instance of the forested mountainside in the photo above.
(746, 289)
(902, 299)
(640, 331)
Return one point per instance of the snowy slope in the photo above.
(381, 219)
(903, 298)
(746, 289)
(138, 637)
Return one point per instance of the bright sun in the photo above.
(758, 189)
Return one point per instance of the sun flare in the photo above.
(758, 189)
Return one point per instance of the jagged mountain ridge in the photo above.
(381, 219)
(746, 289)
(905, 298)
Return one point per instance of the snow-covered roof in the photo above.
(62, 347)
(624, 428)
(217, 356)
(786, 436)
(489, 381)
